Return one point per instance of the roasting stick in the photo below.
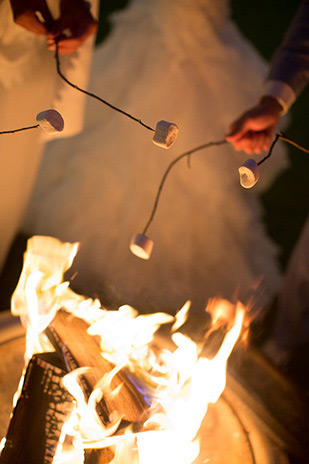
(90, 94)
(165, 135)
(19, 130)
(50, 122)
(141, 245)
(165, 132)
(249, 171)
(285, 138)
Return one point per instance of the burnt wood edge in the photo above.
(72, 364)
(41, 410)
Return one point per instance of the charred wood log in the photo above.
(99, 456)
(41, 410)
(70, 338)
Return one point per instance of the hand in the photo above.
(75, 24)
(253, 131)
(33, 15)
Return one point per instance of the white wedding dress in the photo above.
(186, 62)
(29, 84)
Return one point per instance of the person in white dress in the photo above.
(29, 84)
(184, 62)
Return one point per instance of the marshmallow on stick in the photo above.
(249, 173)
(50, 121)
(141, 246)
(165, 134)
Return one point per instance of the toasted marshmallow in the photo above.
(249, 173)
(50, 121)
(141, 246)
(165, 134)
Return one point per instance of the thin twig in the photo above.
(278, 136)
(96, 96)
(282, 136)
(18, 130)
(270, 150)
(292, 142)
(188, 153)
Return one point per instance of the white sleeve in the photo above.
(282, 92)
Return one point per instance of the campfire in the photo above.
(103, 386)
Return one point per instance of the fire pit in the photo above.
(100, 379)
(237, 428)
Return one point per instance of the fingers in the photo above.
(253, 142)
(253, 120)
(253, 130)
(68, 44)
(251, 133)
(238, 129)
(77, 33)
(65, 45)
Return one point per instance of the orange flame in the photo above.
(179, 382)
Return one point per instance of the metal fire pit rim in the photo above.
(285, 423)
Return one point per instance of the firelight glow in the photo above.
(177, 382)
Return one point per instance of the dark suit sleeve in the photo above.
(290, 63)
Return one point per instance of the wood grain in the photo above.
(69, 336)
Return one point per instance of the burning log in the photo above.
(68, 334)
(99, 456)
(41, 410)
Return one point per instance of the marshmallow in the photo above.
(50, 121)
(141, 246)
(249, 173)
(165, 134)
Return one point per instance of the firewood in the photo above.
(41, 410)
(70, 338)
(99, 456)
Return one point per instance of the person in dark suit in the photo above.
(252, 132)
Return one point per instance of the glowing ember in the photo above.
(177, 384)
